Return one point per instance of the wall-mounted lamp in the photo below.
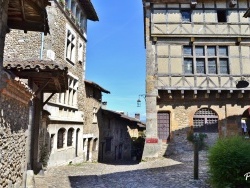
(242, 83)
(139, 100)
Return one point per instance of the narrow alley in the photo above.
(173, 172)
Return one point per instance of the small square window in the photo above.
(186, 15)
(221, 15)
(223, 51)
(211, 51)
(187, 50)
(199, 51)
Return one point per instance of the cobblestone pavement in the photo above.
(173, 172)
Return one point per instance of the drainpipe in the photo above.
(42, 45)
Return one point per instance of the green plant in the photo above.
(44, 155)
(198, 138)
(229, 161)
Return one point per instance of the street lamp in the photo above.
(139, 103)
(139, 100)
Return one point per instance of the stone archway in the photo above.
(206, 121)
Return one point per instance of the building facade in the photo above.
(93, 120)
(119, 137)
(65, 48)
(15, 95)
(197, 52)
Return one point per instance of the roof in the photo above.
(134, 120)
(95, 85)
(89, 9)
(28, 15)
(48, 75)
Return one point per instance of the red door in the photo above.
(163, 119)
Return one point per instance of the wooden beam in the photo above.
(29, 74)
(57, 84)
(52, 94)
(41, 88)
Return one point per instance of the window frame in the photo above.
(60, 138)
(208, 69)
(70, 45)
(70, 137)
(184, 17)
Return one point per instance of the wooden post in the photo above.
(196, 160)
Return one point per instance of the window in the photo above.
(60, 138)
(70, 46)
(81, 52)
(186, 15)
(70, 137)
(200, 66)
(199, 50)
(224, 66)
(212, 66)
(206, 59)
(211, 51)
(70, 96)
(188, 65)
(94, 115)
(108, 144)
(187, 50)
(221, 15)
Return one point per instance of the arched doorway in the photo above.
(205, 120)
(246, 117)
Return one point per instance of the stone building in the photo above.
(118, 135)
(15, 95)
(197, 52)
(55, 67)
(93, 119)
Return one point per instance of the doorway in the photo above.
(163, 121)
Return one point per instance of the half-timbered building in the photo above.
(197, 59)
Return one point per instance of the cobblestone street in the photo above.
(173, 172)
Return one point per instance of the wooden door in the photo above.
(163, 119)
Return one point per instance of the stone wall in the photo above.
(22, 46)
(92, 124)
(14, 119)
(115, 128)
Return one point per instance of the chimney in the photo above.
(137, 116)
(104, 105)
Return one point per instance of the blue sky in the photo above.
(116, 54)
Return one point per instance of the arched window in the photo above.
(60, 138)
(70, 137)
(205, 120)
